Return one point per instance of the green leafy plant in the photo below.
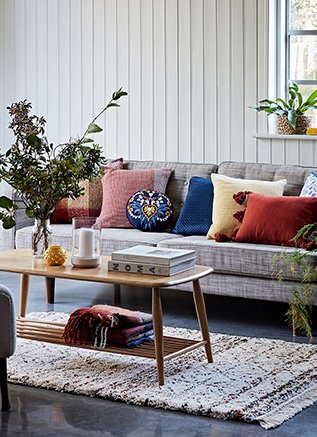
(299, 313)
(292, 107)
(302, 263)
(41, 173)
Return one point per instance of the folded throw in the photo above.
(122, 336)
(126, 317)
(84, 323)
(139, 341)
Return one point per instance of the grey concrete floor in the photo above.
(38, 412)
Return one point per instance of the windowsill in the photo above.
(286, 137)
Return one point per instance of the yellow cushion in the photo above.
(224, 206)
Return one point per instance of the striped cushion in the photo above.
(87, 205)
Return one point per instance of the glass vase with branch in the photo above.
(42, 174)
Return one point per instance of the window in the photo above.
(301, 46)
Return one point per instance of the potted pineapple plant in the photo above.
(291, 113)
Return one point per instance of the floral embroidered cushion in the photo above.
(149, 210)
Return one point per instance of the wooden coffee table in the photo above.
(163, 348)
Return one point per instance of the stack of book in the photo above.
(150, 260)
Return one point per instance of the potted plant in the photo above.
(291, 119)
(41, 173)
(302, 262)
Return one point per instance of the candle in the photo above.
(86, 243)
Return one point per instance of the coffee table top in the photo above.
(22, 261)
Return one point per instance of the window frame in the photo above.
(288, 34)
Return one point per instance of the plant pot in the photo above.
(284, 128)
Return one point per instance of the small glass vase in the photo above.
(41, 237)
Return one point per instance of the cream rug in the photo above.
(251, 379)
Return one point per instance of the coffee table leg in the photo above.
(158, 333)
(50, 289)
(117, 295)
(24, 291)
(202, 318)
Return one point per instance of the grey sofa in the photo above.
(243, 270)
(7, 340)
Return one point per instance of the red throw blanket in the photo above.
(84, 323)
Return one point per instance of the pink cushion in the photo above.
(118, 186)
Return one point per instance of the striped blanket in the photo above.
(102, 325)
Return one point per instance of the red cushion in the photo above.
(275, 220)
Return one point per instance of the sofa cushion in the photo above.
(235, 258)
(294, 174)
(111, 238)
(276, 220)
(150, 211)
(89, 204)
(195, 216)
(119, 185)
(225, 207)
(310, 187)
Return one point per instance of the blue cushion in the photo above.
(196, 215)
(150, 211)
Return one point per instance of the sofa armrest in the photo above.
(7, 323)
(7, 236)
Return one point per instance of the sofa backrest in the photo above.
(178, 182)
(294, 174)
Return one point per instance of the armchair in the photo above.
(7, 340)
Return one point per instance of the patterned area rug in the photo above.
(251, 379)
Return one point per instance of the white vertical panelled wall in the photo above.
(192, 69)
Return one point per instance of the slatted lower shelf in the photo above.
(52, 332)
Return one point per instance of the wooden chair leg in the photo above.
(4, 385)
(50, 289)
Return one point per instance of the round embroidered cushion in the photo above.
(150, 211)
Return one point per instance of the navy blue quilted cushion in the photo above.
(150, 211)
(195, 217)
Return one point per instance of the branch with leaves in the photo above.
(41, 173)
